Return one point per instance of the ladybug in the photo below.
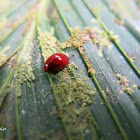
(56, 63)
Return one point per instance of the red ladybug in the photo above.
(56, 63)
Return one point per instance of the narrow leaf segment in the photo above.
(20, 80)
(52, 87)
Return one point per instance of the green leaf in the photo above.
(97, 94)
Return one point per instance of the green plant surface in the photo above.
(129, 19)
(95, 97)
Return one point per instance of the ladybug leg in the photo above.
(64, 70)
(72, 56)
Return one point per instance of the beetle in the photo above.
(56, 63)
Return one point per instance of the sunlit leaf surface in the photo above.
(96, 96)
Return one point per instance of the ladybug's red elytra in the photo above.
(56, 63)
